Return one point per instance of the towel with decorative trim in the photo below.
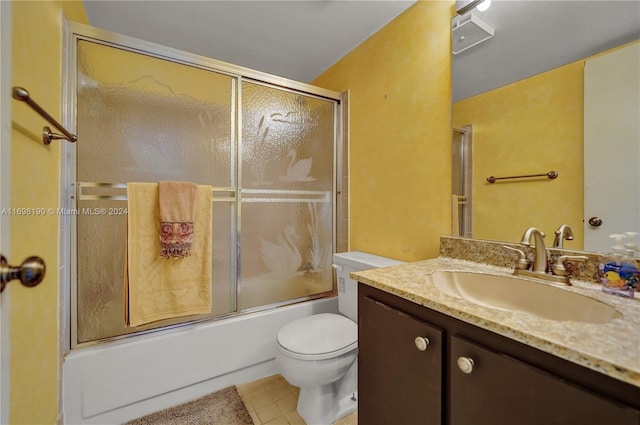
(157, 289)
(176, 201)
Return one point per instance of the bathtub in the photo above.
(123, 380)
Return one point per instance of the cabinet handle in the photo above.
(465, 364)
(421, 342)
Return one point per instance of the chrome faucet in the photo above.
(563, 232)
(540, 259)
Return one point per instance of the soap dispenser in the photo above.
(617, 272)
(633, 250)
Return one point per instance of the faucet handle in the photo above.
(558, 267)
(564, 232)
(522, 263)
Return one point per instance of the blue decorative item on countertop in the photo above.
(618, 272)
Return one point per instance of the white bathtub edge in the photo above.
(118, 382)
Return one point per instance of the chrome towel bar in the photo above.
(118, 192)
(97, 191)
(551, 175)
(22, 94)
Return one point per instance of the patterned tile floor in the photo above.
(272, 401)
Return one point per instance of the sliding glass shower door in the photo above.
(287, 209)
(269, 152)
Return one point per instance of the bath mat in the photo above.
(224, 407)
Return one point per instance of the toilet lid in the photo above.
(318, 334)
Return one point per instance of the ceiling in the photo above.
(535, 36)
(292, 39)
(301, 39)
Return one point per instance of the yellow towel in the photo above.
(156, 288)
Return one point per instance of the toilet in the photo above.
(318, 353)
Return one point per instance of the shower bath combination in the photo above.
(271, 151)
(143, 118)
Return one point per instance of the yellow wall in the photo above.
(400, 85)
(528, 127)
(400, 128)
(35, 170)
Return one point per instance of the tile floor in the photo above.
(272, 401)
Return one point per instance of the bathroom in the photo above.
(406, 125)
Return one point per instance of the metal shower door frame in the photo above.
(74, 32)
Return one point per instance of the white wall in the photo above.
(124, 380)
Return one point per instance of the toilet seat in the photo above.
(318, 337)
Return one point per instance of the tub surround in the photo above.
(611, 348)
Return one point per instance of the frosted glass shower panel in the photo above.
(287, 139)
(146, 119)
(286, 250)
(287, 159)
(152, 119)
(267, 151)
(101, 248)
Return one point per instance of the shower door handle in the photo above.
(30, 272)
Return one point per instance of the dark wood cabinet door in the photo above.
(501, 390)
(398, 383)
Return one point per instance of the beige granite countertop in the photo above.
(612, 348)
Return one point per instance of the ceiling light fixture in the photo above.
(468, 31)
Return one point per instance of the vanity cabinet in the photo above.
(499, 389)
(400, 375)
(471, 376)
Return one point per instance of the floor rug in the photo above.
(224, 407)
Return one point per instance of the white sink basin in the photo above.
(516, 294)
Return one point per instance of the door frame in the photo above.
(5, 190)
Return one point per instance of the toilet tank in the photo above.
(353, 261)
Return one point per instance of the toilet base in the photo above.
(325, 404)
(317, 405)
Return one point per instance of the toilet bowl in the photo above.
(318, 353)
